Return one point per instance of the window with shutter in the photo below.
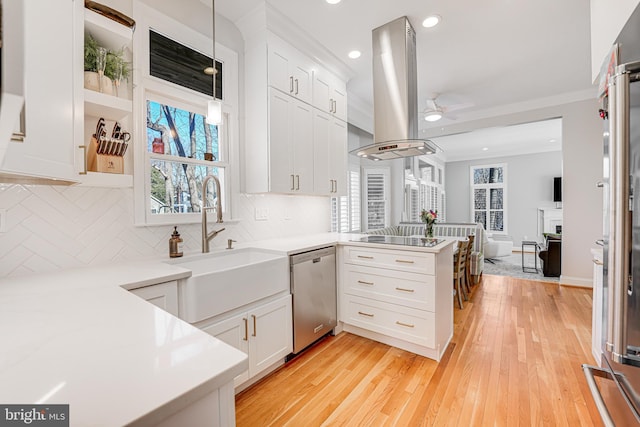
(376, 198)
(345, 210)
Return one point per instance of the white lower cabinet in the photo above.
(163, 295)
(402, 298)
(262, 330)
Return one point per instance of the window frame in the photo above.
(488, 187)
(150, 87)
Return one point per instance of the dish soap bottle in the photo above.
(175, 244)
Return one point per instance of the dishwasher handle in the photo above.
(314, 255)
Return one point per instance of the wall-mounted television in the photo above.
(557, 189)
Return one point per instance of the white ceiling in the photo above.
(527, 138)
(488, 56)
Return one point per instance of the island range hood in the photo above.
(395, 102)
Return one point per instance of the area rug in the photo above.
(511, 265)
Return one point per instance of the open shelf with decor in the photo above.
(106, 49)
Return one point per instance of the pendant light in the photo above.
(214, 107)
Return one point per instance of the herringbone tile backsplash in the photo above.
(51, 228)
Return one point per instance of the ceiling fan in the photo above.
(435, 111)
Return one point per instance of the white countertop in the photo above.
(77, 337)
(292, 245)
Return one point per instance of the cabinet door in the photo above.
(321, 91)
(339, 97)
(235, 332)
(302, 142)
(322, 122)
(163, 295)
(271, 334)
(338, 156)
(281, 174)
(289, 70)
(279, 63)
(48, 148)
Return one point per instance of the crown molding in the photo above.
(265, 19)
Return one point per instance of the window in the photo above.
(488, 197)
(174, 147)
(424, 191)
(376, 198)
(345, 210)
(177, 142)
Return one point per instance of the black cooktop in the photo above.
(400, 240)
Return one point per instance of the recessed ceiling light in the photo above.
(433, 116)
(354, 54)
(485, 148)
(430, 21)
(333, 1)
(552, 140)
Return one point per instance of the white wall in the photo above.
(51, 228)
(582, 169)
(529, 186)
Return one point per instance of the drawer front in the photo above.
(397, 287)
(416, 262)
(399, 322)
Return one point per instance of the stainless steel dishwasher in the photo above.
(313, 286)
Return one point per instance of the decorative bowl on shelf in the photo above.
(91, 82)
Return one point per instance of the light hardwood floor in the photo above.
(514, 360)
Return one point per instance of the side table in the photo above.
(536, 248)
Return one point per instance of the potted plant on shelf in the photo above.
(103, 67)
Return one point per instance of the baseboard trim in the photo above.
(578, 282)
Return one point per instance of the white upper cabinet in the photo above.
(330, 154)
(329, 94)
(292, 108)
(45, 154)
(289, 70)
(291, 145)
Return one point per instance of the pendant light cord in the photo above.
(213, 38)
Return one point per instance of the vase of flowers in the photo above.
(429, 217)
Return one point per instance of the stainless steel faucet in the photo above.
(206, 236)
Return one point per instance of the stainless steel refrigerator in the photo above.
(615, 385)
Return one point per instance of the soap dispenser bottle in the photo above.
(175, 244)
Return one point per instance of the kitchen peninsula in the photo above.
(66, 330)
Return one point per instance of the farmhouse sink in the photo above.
(222, 281)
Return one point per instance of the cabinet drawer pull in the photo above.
(404, 261)
(296, 86)
(405, 324)
(293, 182)
(365, 314)
(298, 182)
(254, 325)
(246, 329)
(84, 159)
(22, 133)
(365, 283)
(598, 262)
(365, 257)
(405, 290)
(290, 84)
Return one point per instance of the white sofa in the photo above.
(446, 229)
